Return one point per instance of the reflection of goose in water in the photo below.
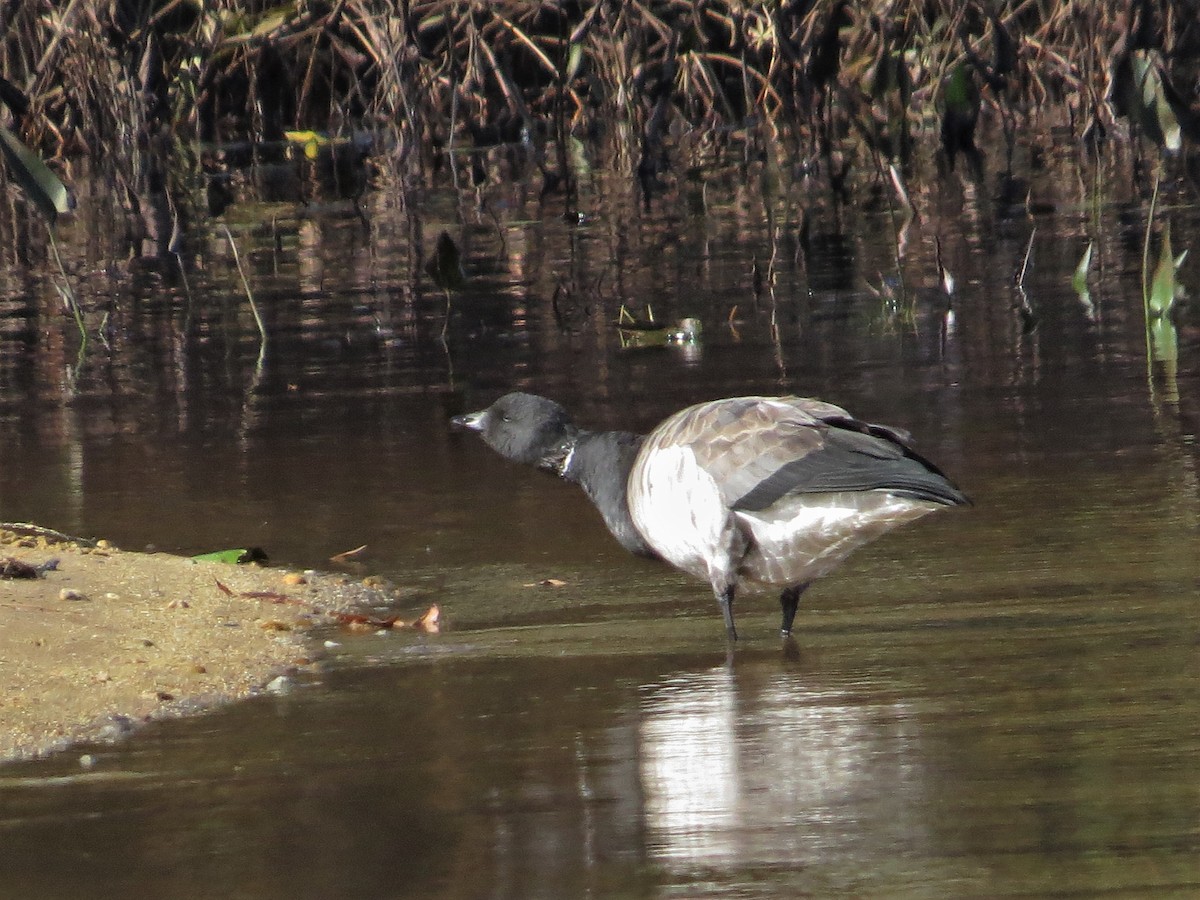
(779, 774)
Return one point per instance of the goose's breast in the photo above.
(678, 508)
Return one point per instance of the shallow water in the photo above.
(999, 701)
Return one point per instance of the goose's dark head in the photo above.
(525, 428)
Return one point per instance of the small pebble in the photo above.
(87, 761)
(118, 727)
(72, 594)
(294, 578)
(280, 684)
(331, 644)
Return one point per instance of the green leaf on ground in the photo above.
(239, 556)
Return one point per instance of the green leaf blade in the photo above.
(36, 179)
(1079, 279)
(1162, 285)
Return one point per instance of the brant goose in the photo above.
(748, 490)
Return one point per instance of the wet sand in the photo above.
(109, 640)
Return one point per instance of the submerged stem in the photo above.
(1146, 284)
(262, 329)
(67, 292)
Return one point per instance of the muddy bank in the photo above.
(105, 640)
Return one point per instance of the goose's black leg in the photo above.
(725, 598)
(789, 600)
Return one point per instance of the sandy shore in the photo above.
(108, 640)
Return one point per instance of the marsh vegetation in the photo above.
(167, 114)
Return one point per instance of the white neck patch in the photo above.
(566, 461)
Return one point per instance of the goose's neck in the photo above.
(600, 462)
(593, 459)
(559, 458)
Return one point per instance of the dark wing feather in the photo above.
(854, 461)
(759, 450)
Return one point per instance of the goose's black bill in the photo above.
(470, 421)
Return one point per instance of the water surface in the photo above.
(1000, 701)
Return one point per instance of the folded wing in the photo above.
(761, 450)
